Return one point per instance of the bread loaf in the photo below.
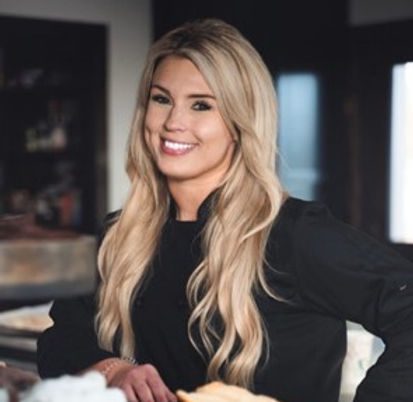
(219, 392)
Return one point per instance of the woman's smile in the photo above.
(175, 148)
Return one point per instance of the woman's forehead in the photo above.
(179, 74)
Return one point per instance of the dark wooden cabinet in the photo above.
(52, 121)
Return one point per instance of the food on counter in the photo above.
(219, 392)
(29, 318)
(90, 387)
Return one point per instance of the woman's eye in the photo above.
(163, 100)
(201, 106)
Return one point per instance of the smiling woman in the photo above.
(184, 130)
(211, 271)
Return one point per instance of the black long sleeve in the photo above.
(70, 345)
(347, 274)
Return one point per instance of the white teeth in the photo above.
(177, 146)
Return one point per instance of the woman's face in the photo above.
(184, 128)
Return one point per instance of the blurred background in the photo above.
(68, 80)
(343, 71)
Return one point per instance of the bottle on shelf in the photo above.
(58, 133)
(48, 134)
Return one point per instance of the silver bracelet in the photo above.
(130, 360)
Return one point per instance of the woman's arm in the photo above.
(347, 274)
(139, 382)
(70, 345)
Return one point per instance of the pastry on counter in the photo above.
(219, 392)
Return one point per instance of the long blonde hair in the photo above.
(236, 232)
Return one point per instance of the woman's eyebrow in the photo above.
(160, 87)
(201, 96)
(194, 95)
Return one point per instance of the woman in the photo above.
(210, 271)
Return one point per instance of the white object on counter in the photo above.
(363, 349)
(90, 387)
(4, 395)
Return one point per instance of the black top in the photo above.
(327, 271)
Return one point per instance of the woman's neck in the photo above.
(188, 199)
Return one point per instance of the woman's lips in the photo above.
(176, 148)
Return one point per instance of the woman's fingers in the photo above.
(171, 396)
(143, 383)
(129, 393)
(143, 392)
(160, 391)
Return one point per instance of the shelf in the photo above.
(53, 92)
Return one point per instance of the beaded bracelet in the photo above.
(113, 363)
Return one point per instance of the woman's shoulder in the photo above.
(308, 226)
(310, 231)
(298, 209)
(290, 228)
(293, 221)
(297, 213)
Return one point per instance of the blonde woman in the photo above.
(210, 271)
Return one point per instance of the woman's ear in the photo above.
(236, 134)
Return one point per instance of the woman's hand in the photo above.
(140, 383)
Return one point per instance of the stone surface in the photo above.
(47, 268)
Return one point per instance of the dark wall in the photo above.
(284, 32)
(375, 50)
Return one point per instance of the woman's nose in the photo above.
(176, 119)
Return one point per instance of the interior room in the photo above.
(69, 75)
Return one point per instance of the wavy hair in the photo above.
(222, 287)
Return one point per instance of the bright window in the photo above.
(401, 158)
(299, 142)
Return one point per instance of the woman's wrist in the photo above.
(110, 367)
